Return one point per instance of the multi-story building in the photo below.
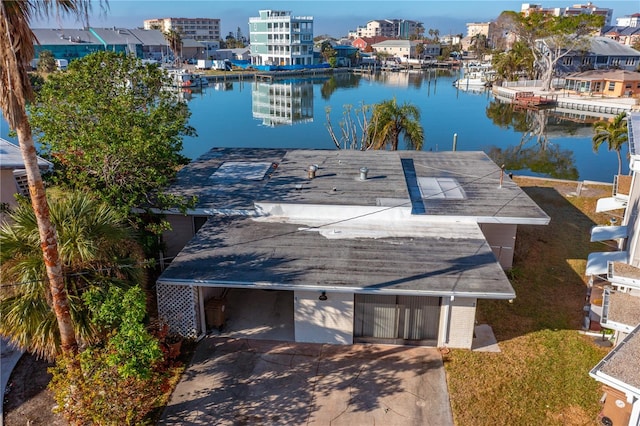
(629, 21)
(200, 29)
(278, 38)
(576, 9)
(393, 28)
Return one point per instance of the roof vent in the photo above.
(311, 171)
(363, 173)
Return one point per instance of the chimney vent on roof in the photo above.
(363, 173)
(311, 171)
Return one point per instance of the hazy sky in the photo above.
(334, 17)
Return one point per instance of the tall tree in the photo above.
(390, 121)
(551, 38)
(614, 133)
(46, 62)
(96, 247)
(111, 128)
(174, 39)
(16, 52)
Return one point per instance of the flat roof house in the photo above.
(364, 246)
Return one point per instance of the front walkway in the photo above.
(242, 381)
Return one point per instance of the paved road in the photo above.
(8, 359)
(242, 381)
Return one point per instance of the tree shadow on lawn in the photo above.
(548, 270)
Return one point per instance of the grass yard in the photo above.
(541, 375)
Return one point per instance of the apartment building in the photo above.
(199, 29)
(629, 21)
(279, 38)
(576, 9)
(392, 28)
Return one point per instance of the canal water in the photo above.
(294, 113)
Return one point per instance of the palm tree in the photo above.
(614, 133)
(174, 39)
(390, 121)
(96, 247)
(16, 52)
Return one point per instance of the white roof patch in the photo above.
(242, 170)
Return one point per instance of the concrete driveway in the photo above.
(261, 382)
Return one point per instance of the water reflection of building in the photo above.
(282, 103)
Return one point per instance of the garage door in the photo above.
(396, 319)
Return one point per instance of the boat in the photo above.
(185, 79)
(480, 75)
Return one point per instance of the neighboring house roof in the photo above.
(392, 44)
(624, 308)
(620, 369)
(149, 37)
(64, 36)
(604, 46)
(610, 75)
(11, 157)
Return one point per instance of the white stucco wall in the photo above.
(457, 320)
(323, 321)
(502, 240)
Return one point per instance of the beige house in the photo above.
(612, 83)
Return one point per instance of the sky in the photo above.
(332, 17)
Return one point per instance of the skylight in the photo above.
(242, 170)
(440, 188)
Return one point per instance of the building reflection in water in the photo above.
(283, 102)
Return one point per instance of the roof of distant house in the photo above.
(621, 367)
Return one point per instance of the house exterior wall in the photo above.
(631, 220)
(7, 187)
(462, 319)
(323, 321)
(502, 240)
(183, 228)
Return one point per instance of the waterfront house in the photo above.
(610, 83)
(614, 294)
(13, 176)
(364, 43)
(279, 38)
(601, 53)
(361, 246)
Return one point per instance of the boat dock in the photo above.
(564, 99)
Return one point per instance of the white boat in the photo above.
(185, 79)
(476, 76)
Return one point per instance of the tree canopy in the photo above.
(111, 127)
(551, 38)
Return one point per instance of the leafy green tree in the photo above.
(120, 381)
(614, 133)
(96, 247)
(328, 53)
(16, 51)
(515, 62)
(551, 38)
(46, 62)
(390, 121)
(112, 129)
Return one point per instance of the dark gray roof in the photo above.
(620, 369)
(149, 37)
(439, 260)
(11, 157)
(389, 183)
(64, 36)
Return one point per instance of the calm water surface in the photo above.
(292, 114)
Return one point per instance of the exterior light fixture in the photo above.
(323, 296)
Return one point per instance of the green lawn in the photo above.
(541, 375)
